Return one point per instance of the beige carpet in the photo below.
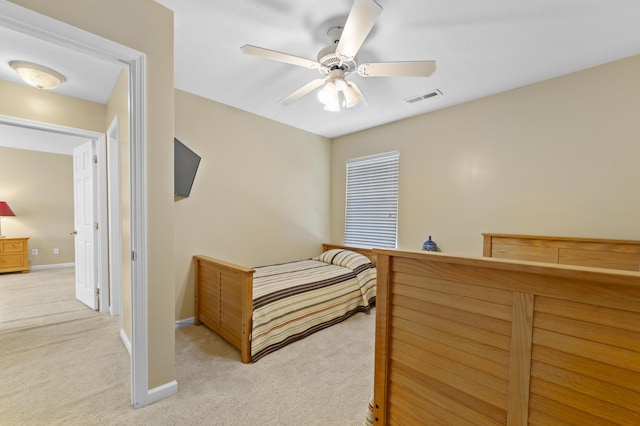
(63, 364)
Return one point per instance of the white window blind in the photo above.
(371, 216)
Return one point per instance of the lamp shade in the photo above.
(5, 210)
(352, 95)
(329, 97)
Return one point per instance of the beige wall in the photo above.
(261, 194)
(33, 104)
(555, 158)
(147, 27)
(38, 186)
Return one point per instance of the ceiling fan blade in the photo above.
(303, 91)
(398, 69)
(274, 55)
(360, 21)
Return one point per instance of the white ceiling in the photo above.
(480, 47)
(87, 77)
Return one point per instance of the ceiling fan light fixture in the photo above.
(352, 95)
(341, 84)
(328, 95)
(335, 107)
(339, 93)
(37, 75)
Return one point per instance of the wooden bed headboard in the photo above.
(591, 252)
(480, 341)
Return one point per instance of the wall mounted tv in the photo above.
(185, 164)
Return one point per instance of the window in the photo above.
(371, 214)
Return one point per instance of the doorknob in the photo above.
(74, 232)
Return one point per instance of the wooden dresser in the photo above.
(13, 255)
(592, 252)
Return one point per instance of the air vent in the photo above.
(415, 99)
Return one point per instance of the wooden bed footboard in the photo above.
(223, 301)
(224, 298)
(501, 342)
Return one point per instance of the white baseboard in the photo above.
(159, 392)
(163, 391)
(125, 340)
(53, 266)
(185, 322)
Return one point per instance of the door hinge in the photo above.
(95, 226)
(95, 159)
(133, 256)
(97, 292)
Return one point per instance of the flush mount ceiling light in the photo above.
(37, 75)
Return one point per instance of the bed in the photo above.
(259, 310)
(491, 341)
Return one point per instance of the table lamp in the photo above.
(5, 210)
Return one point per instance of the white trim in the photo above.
(125, 341)
(139, 320)
(372, 157)
(163, 391)
(113, 214)
(48, 127)
(103, 227)
(45, 28)
(185, 322)
(53, 266)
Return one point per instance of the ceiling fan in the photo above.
(337, 61)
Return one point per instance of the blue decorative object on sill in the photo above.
(429, 245)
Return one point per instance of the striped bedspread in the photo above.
(293, 300)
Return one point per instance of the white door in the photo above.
(84, 187)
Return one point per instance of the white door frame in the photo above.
(103, 224)
(43, 27)
(115, 226)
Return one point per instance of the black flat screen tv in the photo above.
(186, 164)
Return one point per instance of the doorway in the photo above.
(42, 137)
(45, 28)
